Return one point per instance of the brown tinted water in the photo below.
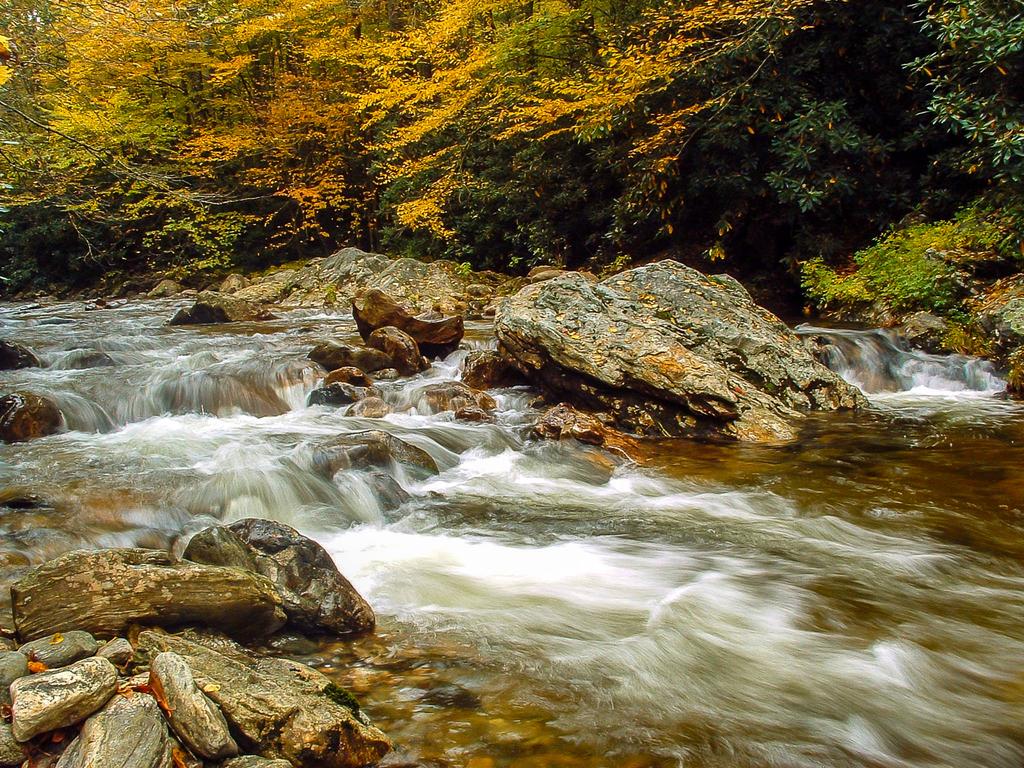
(853, 598)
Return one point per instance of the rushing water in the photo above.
(854, 598)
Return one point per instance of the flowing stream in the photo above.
(853, 598)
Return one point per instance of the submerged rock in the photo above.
(436, 336)
(368, 450)
(128, 733)
(105, 591)
(26, 416)
(317, 597)
(333, 355)
(14, 355)
(51, 700)
(453, 396)
(278, 708)
(212, 307)
(192, 716)
(61, 649)
(340, 394)
(563, 422)
(401, 348)
(664, 350)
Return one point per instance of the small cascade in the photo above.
(879, 361)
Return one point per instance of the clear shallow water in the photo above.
(854, 598)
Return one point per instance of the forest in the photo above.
(775, 139)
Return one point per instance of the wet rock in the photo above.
(51, 700)
(348, 375)
(11, 751)
(925, 331)
(13, 665)
(489, 369)
(563, 422)
(369, 408)
(340, 394)
(88, 358)
(212, 307)
(370, 449)
(255, 761)
(270, 288)
(1000, 312)
(473, 413)
(165, 289)
(117, 651)
(127, 733)
(452, 396)
(436, 336)
(317, 598)
(26, 416)
(234, 283)
(192, 716)
(278, 708)
(105, 591)
(387, 374)
(333, 355)
(400, 347)
(61, 649)
(219, 545)
(667, 351)
(293, 644)
(14, 355)
(451, 696)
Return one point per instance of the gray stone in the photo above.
(317, 598)
(664, 350)
(12, 666)
(61, 649)
(219, 545)
(117, 651)
(127, 733)
(234, 283)
(11, 751)
(193, 717)
(51, 700)
(164, 289)
(340, 394)
(369, 408)
(105, 591)
(212, 307)
(370, 449)
(280, 709)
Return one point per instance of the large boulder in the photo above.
(26, 416)
(437, 336)
(400, 347)
(278, 708)
(165, 289)
(317, 598)
(1000, 312)
(488, 369)
(333, 355)
(234, 283)
(105, 591)
(212, 307)
(51, 700)
(664, 350)
(127, 733)
(14, 355)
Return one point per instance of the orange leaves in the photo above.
(37, 666)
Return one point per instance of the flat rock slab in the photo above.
(51, 700)
(664, 350)
(213, 307)
(193, 717)
(61, 649)
(128, 733)
(105, 591)
(279, 709)
(255, 761)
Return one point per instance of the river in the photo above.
(852, 598)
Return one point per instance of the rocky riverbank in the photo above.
(99, 681)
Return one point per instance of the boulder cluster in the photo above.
(98, 680)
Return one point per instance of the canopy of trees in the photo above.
(195, 134)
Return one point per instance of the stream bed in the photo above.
(852, 598)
